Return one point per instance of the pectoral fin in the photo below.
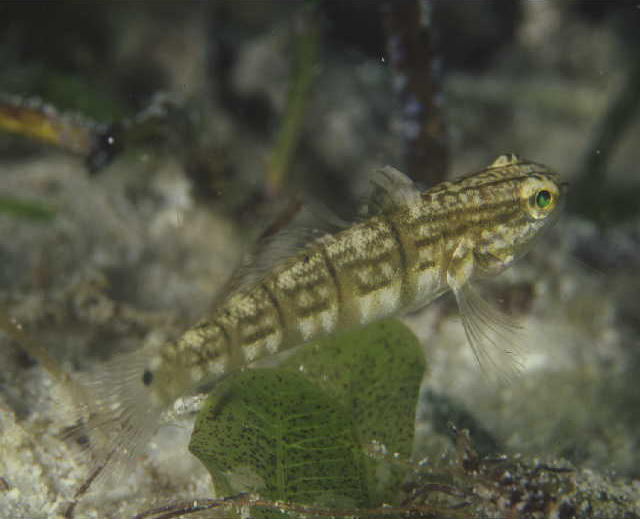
(492, 335)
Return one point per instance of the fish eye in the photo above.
(539, 197)
(543, 199)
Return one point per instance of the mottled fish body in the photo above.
(414, 247)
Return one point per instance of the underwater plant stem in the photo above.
(412, 56)
(306, 45)
(188, 507)
(618, 117)
(616, 120)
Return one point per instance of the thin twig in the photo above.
(82, 490)
(245, 500)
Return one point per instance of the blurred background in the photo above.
(144, 146)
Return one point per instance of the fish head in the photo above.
(523, 198)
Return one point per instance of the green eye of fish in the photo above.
(543, 199)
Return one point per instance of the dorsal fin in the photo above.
(506, 160)
(390, 191)
(290, 232)
(298, 225)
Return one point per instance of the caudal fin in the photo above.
(115, 413)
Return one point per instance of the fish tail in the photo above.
(115, 414)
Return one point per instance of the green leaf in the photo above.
(275, 432)
(376, 371)
(298, 433)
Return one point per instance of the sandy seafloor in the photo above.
(133, 257)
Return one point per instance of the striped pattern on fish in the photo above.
(414, 247)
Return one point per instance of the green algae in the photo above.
(27, 209)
